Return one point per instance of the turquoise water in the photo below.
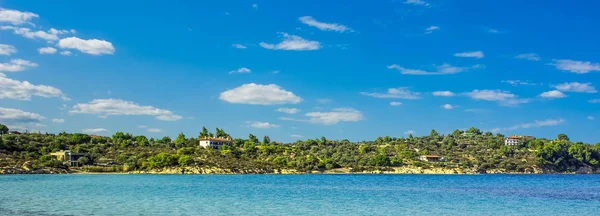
(300, 195)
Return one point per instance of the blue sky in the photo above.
(340, 69)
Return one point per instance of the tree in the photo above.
(456, 133)
(563, 137)
(180, 139)
(165, 140)
(204, 132)
(142, 141)
(266, 140)
(3, 129)
(83, 160)
(252, 138)
(185, 161)
(474, 130)
(433, 133)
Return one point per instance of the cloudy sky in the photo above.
(301, 69)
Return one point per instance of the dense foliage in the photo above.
(470, 150)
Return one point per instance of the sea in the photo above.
(311, 194)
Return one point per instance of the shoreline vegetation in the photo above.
(460, 152)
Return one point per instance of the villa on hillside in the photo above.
(515, 140)
(70, 158)
(214, 142)
(430, 158)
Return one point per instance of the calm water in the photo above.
(300, 195)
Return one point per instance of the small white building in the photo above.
(512, 141)
(214, 142)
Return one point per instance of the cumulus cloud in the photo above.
(255, 6)
(293, 42)
(94, 130)
(259, 95)
(475, 54)
(241, 70)
(504, 98)
(14, 89)
(288, 110)
(6, 49)
(296, 136)
(535, 124)
(443, 69)
(576, 87)
(591, 118)
(518, 82)
(19, 119)
(58, 121)
(308, 20)
(401, 93)
(47, 50)
(154, 130)
(91, 46)
(16, 65)
(112, 107)
(529, 56)
(16, 17)
(395, 103)
(553, 94)
(49, 36)
(239, 46)
(410, 132)
(443, 93)
(448, 106)
(335, 116)
(65, 53)
(594, 101)
(417, 2)
(263, 125)
(579, 67)
(431, 29)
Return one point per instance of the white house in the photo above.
(512, 141)
(214, 142)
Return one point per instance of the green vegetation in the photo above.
(471, 150)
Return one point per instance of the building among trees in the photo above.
(214, 142)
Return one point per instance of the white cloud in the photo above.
(239, 46)
(276, 72)
(417, 2)
(293, 42)
(255, 6)
(576, 87)
(47, 50)
(94, 130)
(475, 54)
(529, 56)
(401, 93)
(517, 82)
(58, 120)
(443, 93)
(553, 94)
(91, 46)
(241, 70)
(16, 17)
(16, 65)
(49, 36)
(296, 136)
(335, 116)
(579, 67)
(535, 124)
(492, 30)
(323, 100)
(448, 106)
(594, 101)
(591, 118)
(475, 110)
(14, 89)
(410, 132)
(263, 125)
(142, 126)
(505, 98)
(308, 20)
(288, 110)
(65, 53)
(19, 117)
(431, 29)
(6, 49)
(110, 107)
(440, 70)
(395, 103)
(154, 130)
(259, 95)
